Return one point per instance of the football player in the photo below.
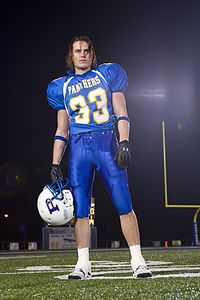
(90, 104)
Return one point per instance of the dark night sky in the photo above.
(158, 43)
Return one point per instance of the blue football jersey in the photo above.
(88, 97)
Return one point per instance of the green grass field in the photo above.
(43, 276)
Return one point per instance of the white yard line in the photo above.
(64, 277)
(112, 267)
(21, 256)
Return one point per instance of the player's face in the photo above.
(82, 57)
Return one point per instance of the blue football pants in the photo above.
(95, 151)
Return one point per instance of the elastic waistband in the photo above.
(92, 133)
(99, 132)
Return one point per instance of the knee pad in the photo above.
(121, 196)
(82, 202)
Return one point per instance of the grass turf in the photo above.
(34, 284)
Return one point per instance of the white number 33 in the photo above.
(100, 115)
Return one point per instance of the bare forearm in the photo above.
(123, 129)
(61, 136)
(119, 106)
(58, 151)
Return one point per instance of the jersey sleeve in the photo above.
(55, 94)
(117, 77)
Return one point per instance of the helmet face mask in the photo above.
(55, 204)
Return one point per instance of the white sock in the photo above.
(83, 255)
(136, 256)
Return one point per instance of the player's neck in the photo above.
(81, 71)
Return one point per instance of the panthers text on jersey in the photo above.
(88, 97)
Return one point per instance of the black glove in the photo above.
(123, 155)
(56, 172)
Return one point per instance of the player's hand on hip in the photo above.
(56, 172)
(123, 155)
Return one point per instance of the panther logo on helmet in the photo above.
(55, 203)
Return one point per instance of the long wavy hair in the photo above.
(69, 56)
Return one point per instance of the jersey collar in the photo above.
(69, 72)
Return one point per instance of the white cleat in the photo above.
(142, 271)
(81, 272)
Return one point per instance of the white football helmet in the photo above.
(55, 203)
